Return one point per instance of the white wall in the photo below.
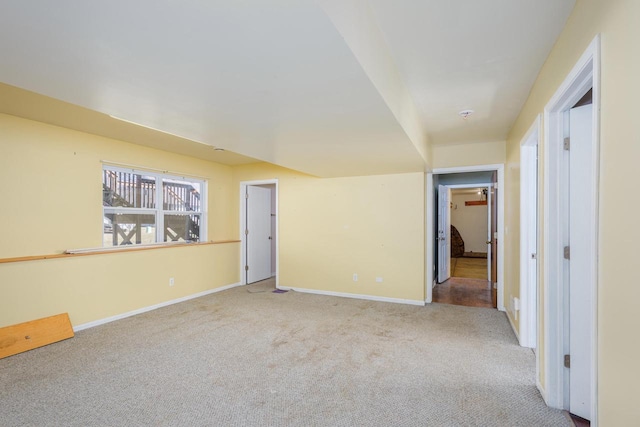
(471, 222)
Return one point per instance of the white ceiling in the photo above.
(277, 81)
(470, 54)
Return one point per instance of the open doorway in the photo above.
(259, 231)
(464, 243)
(445, 280)
(470, 232)
(470, 228)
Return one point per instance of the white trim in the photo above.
(488, 186)
(513, 327)
(489, 236)
(541, 389)
(355, 296)
(463, 169)
(158, 212)
(151, 307)
(429, 261)
(243, 221)
(430, 223)
(529, 233)
(585, 74)
(458, 186)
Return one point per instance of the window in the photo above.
(142, 207)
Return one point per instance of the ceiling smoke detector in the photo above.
(465, 114)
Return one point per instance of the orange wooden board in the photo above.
(36, 333)
(475, 203)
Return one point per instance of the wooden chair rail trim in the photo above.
(112, 251)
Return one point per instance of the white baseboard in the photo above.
(151, 307)
(356, 296)
(515, 331)
(542, 391)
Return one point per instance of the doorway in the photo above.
(259, 231)
(464, 243)
(571, 160)
(489, 177)
(470, 232)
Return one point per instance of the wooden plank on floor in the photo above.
(26, 336)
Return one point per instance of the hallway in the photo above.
(463, 291)
(468, 285)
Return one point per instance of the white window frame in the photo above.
(158, 211)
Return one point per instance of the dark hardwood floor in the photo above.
(463, 291)
(578, 421)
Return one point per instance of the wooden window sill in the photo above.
(113, 251)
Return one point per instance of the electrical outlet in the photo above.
(379, 279)
(171, 281)
(355, 277)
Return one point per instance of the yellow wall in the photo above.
(95, 287)
(331, 228)
(512, 240)
(50, 182)
(617, 22)
(472, 154)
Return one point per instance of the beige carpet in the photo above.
(262, 359)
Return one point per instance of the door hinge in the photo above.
(246, 268)
(567, 361)
(567, 252)
(567, 143)
(246, 232)
(246, 195)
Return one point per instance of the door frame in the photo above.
(488, 186)
(430, 261)
(243, 221)
(584, 75)
(447, 258)
(529, 285)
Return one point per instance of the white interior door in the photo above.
(444, 233)
(529, 241)
(489, 234)
(580, 307)
(258, 234)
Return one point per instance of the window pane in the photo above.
(128, 190)
(181, 228)
(128, 229)
(181, 195)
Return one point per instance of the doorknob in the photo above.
(488, 242)
(269, 237)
